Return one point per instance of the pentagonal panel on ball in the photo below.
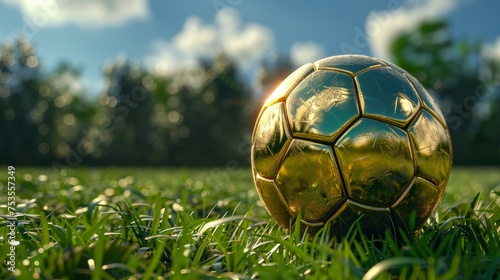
(348, 63)
(387, 95)
(309, 180)
(270, 140)
(376, 161)
(432, 148)
(322, 105)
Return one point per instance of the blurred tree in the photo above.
(42, 115)
(22, 108)
(162, 89)
(198, 117)
(212, 115)
(122, 125)
(69, 112)
(450, 70)
(489, 129)
(429, 54)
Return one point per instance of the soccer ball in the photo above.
(351, 139)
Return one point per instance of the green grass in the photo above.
(202, 224)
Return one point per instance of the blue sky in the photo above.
(165, 36)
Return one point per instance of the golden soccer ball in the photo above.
(350, 139)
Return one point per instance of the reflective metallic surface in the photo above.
(282, 91)
(309, 179)
(270, 141)
(351, 139)
(421, 198)
(387, 95)
(432, 148)
(351, 64)
(376, 162)
(322, 105)
(428, 102)
(269, 194)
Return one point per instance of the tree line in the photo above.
(200, 117)
(204, 116)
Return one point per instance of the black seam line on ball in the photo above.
(335, 139)
(428, 181)
(314, 141)
(333, 69)
(286, 119)
(370, 68)
(285, 148)
(422, 103)
(404, 193)
(314, 66)
(344, 131)
(386, 121)
(282, 199)
(339, 169)
(413, 151)
(413, 87)
(312, 223)
(333, 212)
(368, 206)
(413, 118)
(264, 177)
(357, 92)
(434, 115)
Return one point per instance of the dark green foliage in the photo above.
(19, 102)
(139, 119)
(41, 116)
(214, 113)
(124, 120)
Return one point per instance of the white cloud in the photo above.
(88, 13)
(302, 53)
(492, 51)
(382, 27)
(246, 44)
(195, 37)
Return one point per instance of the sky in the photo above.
(165, 36)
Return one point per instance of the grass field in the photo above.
(209, 223)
